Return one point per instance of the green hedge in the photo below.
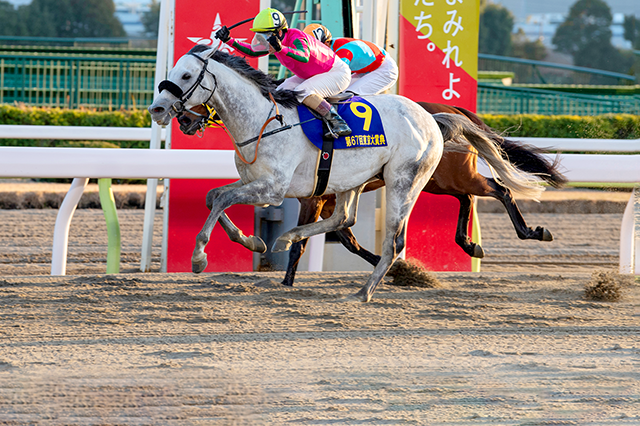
(10, 114)
(608, 126)
(622, 126)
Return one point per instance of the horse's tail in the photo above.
(458, 131)
(527, 158)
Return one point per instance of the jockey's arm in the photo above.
(245, 48)
(300, 51)
(345, 54)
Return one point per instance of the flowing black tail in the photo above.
(525, 157)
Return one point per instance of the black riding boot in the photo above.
(337, 126)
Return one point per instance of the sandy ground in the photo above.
(518, 344)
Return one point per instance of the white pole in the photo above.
(165, 27)
(167, 145)
(393, 37)
(63, 222)
(315, 246)
(636, 228)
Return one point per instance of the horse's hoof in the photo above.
(199, 263)
(281, 245)
(353, 298)
(362, 296)
(546, 235)
(257, 245)
(478, 252)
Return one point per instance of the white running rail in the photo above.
(84, 163)
(606, 169)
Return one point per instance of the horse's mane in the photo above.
(265, 83)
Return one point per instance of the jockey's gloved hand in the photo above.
(274, 41)
(223, 34)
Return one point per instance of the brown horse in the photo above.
(456, 175)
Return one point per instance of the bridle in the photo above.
(201, 123)
(175, 90)
(197, 125)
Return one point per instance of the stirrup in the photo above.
(331, 131)
(340, 97)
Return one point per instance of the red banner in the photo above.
(196, 22)
(438, 56)
(438, 61)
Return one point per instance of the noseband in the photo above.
(176, 91)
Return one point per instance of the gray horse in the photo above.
(285, 165)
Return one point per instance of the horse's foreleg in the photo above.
(257, 192)
(523, 231)
(236, 235)
(310, 209)
(344, 216)
(462, 230)
(251, 242)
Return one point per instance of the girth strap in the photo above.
(324, 166)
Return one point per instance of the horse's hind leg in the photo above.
(394, 243)
(345, 236)
(344, 216)
(524, 232)
(310, 209)
(404, 184)
(462, 230)
(234, 233)
(349, 241)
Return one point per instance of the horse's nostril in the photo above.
(158, 110)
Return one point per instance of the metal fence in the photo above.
(494, 99)
(528, 71)
(127, 82)
(72, 82)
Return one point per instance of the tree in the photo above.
(631, 27)
(586, 35)
(8, 19)
(71, 18)
(527, 49)
(496, 25)
(151, 19)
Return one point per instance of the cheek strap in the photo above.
(173, 88)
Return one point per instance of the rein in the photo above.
(258, 138)
(179, 108)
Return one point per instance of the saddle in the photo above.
(364, 121)
(340, 97)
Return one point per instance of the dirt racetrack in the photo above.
(518, 344)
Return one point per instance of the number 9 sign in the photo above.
(366, 113)
(276, 19)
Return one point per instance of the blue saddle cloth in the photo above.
(360, 115)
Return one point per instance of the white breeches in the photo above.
(376, 81)
(329, 83)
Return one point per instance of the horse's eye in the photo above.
(186, 76)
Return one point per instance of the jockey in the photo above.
(374, 71)
(317, 73)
